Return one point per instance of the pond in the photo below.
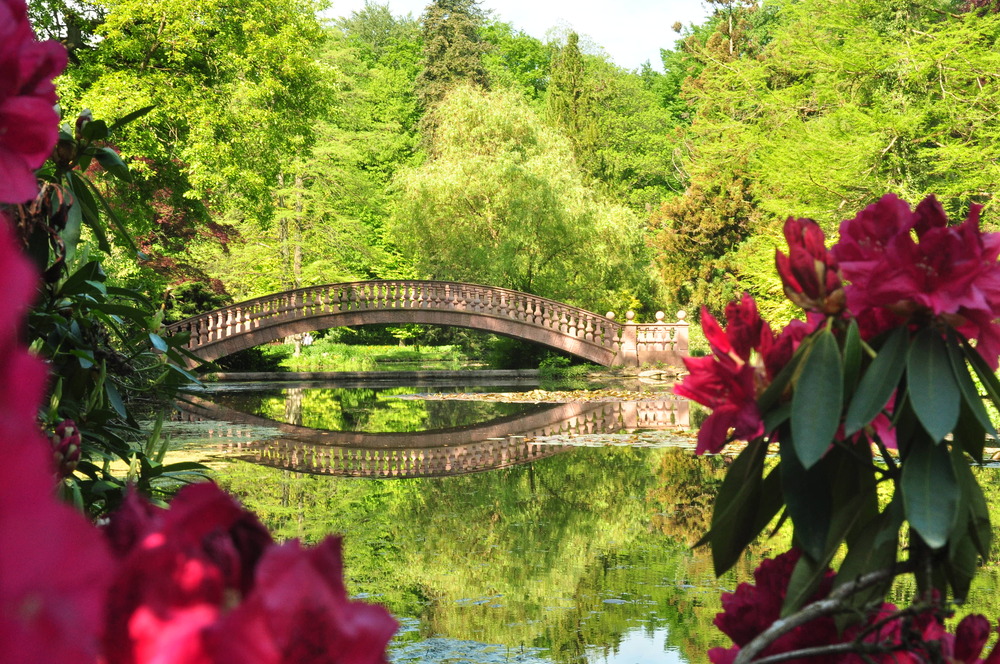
(575, 547)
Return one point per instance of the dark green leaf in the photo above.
(113, 163)
(123, 233)
(852, 359)
(969, 434)
(873, 547)
(973, 503)
(970, 395)
(802, 585)
(134, 115)
(807, 497)
(115, 399)
(736, 507)
(961, 567)
(986, 375)
(931, 494)
(88, 209)
(877, 384)
(934, 392)
(95, 130)
(773, 393)
(775, 417)
(817, 401)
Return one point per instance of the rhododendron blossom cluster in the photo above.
(885, 636)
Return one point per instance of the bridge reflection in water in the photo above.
(499, 443)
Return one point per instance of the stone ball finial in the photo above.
(659, 316)
(681, 315)
(630, 316)
(610, 315)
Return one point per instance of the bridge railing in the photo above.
(622, 339)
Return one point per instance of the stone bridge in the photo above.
(595, 338)
(499, 443)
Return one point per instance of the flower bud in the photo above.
(66, 447)
(85, 118)
(809, 273)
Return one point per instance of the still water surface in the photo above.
(581, 555)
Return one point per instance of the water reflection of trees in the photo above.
(530, 555)
(364, 409)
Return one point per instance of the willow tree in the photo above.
(503, 203)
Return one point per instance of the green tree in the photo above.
(504, 204)
(453, 53)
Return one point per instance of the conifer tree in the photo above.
(453, 49)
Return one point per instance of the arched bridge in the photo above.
(593, 337)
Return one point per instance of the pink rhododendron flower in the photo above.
(28, 123)
(809, 273)
(750, 610)
(180, 570)
(902, 264)
(730, 380)
(66, 447)
(299, 612)
(725, 381)
(54, 567)
(753, 608)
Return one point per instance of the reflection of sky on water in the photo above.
(638, 646)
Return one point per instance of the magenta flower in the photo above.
(299, 612)
(750, 610)
(54, 567)
(726, 382)
(28, 123)
(903, 264)
(809, 273)
(180, 570)
(66, 447)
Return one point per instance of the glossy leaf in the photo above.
(733, 518)
(807, 497)
(973, 504)
(817, 401)
(970, 394)
(933, 390)
(158, 342)
(852, 359)
(931, 493)
(986, 375)
(773, 393)
(802, 585)
(112, 162)
(874, 547)
(878, 383)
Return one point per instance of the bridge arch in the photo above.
(587, 335)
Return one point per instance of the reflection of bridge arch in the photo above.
(590, 336)
(499, 443)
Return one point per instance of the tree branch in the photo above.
(835, 603)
